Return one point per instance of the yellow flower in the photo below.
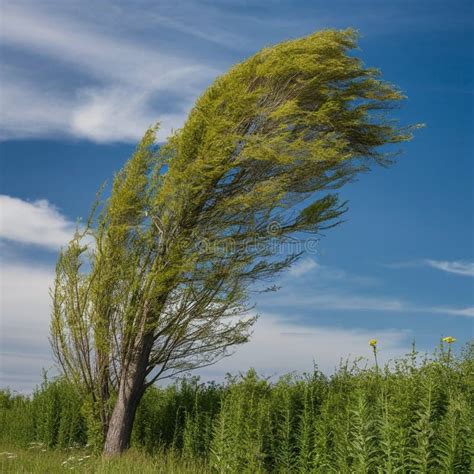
(373, 342)
(449, 339)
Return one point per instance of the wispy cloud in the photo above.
(468, 312)
(336, 300)
(457, 267)
(215, 34)
(117, 79)
(335, 289)
(324, 274)
(100, 67)
(38, 223)
(103, 55)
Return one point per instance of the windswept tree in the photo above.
(158, 282)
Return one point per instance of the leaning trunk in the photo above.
(130, 392)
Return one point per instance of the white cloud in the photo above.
(25, 312)
(468, 312)
(116, 114)
(345, 301)
(217, 35)
(119, 80)
(457, 267)
(324, 275)
(333, 289)
(119, 114)
(119, 55)
(92, 116)
(280, 346)
(341, 301)
(37, 223)
(302, 267)
(102, 55)
(27, 111)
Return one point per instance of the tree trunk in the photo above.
(131, 389)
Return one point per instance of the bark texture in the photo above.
(131, 389)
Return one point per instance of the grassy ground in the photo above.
(37, 459)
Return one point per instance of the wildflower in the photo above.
(373, 342)
(449, 339)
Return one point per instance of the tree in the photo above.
(158, 282)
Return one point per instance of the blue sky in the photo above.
(82, 80)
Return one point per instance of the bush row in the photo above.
(415, 415)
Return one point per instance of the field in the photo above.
(38, 459)
(414, 415)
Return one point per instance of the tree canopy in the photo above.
(158, 282)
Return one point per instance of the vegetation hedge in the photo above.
(413, 415)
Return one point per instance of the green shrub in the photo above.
(414, 415)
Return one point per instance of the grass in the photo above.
(39, 459)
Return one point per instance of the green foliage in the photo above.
(51, 416)
(57, 418)
(179, 416)
(413, 416)
(92, 420)
(158, 280)
(241, 432)
(16, 419)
